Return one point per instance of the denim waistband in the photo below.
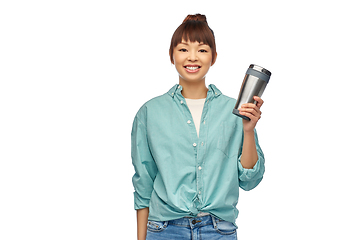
(194, 222)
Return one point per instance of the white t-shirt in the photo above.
(196, 107)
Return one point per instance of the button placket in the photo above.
(198, 143)
(200, 163)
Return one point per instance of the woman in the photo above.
(190, 153)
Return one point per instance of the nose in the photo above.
(192, 56)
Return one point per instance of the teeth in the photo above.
(192, 68)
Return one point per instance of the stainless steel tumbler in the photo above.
(254, 84)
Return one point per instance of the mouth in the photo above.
(192, 68)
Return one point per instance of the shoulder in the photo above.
(154, 104)
(220, 97)
(227, 99)
(225, 102)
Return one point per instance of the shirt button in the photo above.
(181, 102)
(194, 144)
(188, 121)
(199, 167)
(178, 87)
(199, 192)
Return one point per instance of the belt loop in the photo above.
(214, 221)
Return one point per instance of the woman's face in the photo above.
(192, 60)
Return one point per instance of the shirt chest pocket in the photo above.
(229, 139)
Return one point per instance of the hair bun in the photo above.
(196, 17)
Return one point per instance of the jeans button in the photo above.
(193, 222)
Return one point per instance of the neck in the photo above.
(193, 90)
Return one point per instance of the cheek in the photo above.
(177, 64)
(207, 60)
(178, 61)
(179, 56)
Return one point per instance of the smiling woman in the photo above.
(190, 153)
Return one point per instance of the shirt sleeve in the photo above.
(250, 178)
(144, 164)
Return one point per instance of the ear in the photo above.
(214, 60)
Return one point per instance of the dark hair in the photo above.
(195, 29)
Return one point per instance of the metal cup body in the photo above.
(254, 84)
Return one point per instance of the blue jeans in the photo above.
(198, 228)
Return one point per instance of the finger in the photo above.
(259, 101)
(250, 115)
(252, 111)
(250, 106)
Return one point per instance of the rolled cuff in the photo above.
(140, 202)
(250, 178)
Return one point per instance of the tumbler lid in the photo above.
(260, 69)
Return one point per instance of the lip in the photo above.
(192, 71)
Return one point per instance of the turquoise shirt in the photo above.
(179, 174)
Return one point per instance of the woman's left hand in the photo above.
(253, 112)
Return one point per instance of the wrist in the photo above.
(249, 132)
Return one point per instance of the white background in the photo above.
(74, 73)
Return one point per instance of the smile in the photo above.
(192, 68)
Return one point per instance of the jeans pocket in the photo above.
(156, 226)
(225, 228)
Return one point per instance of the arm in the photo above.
(145, 173)
(252, 162)
(142, 219)
(249, 155)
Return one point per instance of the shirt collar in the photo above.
(177, 88)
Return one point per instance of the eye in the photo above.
(182, 50)
(203, 51)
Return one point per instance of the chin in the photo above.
(192, 78)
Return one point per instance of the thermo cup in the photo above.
(254, 84)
